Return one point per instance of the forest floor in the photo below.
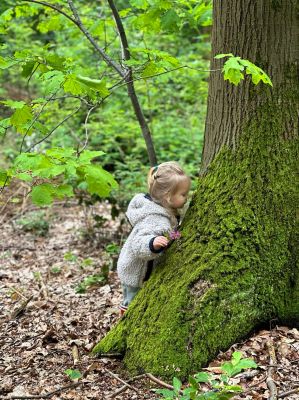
(51, 318)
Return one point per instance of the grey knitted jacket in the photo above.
(148, 220)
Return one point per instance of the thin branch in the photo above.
(92, 40)
(34, 120)
(164, 72)
(270, 381)
(161, 383)
(121, 380)
(125, 386)
(50, 133)
(79, 24)
(45, 395)
(130, 87)
(86, 130)
(288, 393)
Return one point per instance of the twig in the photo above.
(75, 353)
(122, 381)
(20, 309)
(45, 395)
(54, 129)
(35, 119)
(79, 24)
(289, 392)
(118, 85)
(161, 383)
(270, 381)
(124, 387)
(86, 130)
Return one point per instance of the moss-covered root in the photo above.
(113, 342)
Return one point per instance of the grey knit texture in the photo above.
(148, 220)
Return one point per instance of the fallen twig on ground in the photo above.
(124, 387)
(288, 393)
(20, 309)
(121, 380)
(45, 395)
(270, 381)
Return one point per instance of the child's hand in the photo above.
(160, 241)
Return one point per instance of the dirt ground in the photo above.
(50, 318)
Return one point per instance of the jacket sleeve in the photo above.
(143, 234)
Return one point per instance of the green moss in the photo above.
(234, 267)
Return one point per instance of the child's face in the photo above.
(179, 198)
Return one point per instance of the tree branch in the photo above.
(54, 129)
(130, 87)
(79, 24)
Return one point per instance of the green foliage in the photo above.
(237, 364)
(61, 163)
(34, 222)
(91, 281)
(69, 256)
(219, 390)
(55, 270)
(73, 374)
(48, 65)
(112, 249)
(234, 68)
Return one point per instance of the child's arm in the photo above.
(148, 242)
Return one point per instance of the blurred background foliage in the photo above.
(162, 36)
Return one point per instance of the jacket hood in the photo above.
(141, 206)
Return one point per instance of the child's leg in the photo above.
(129, 292)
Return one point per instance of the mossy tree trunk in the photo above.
(234, 267)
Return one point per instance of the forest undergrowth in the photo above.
(58, 299)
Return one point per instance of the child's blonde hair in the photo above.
(163, 181)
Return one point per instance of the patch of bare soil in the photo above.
(47, 327)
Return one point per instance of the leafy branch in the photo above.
(235, 67)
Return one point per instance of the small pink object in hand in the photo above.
(175, 235)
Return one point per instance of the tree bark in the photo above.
(234, 268)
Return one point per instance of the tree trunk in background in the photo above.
(234, 268)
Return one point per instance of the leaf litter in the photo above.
(47, 328)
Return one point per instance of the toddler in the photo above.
(152, 216)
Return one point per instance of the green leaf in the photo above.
(65, 190)
(202, 377)
(151, 69)
(223, 55)
(88, 155)
(56, 62)
(24, 177)
(141, 4)
(236, 357)
(73, 374)
(61, 153)
(234, 76)
(42, 194)
(13, 104)
(177, 384)
(7, 62)
(4, 124)
(170, 21)
(3, 176)
(95, 84)
(99, 181)
(168, 394)
(50, 24)
(28, 68)
(54, 80)
(21, 116)
(73, 86)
